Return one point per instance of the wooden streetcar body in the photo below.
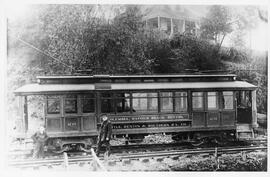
(143, 104)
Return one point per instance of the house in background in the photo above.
(171, 19)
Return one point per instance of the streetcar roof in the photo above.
(134, 76)
(31, 89)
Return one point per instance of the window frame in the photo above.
(77, 104)
(129, 97)
(185, 98)
(111, 98)
(83, 97)
(160, 101)
(207, 100)
(145, 97)
(47, 105)
(203, 101)
(223, 102)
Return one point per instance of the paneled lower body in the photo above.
(213, 119)
(71, 124)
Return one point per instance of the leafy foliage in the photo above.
(230, 162)
(75, 37)
(216, 23)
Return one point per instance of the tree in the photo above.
(217, 24)
(262, 15)
(194, 53)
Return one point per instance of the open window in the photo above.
(107, 105)
(122, 102)
(88, 103)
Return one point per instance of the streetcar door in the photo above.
(212, 106)
(88, 109)
(198, 111)
(244, 107)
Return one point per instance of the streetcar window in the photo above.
(122, 102)
(107, 103)
(71, 104)
(212, 101)
(197, 100)
(166, 102)
(227, 100)
(88, 103)
(145, 102)
(180, 101)
(53, 104)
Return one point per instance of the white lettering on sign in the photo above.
(213, 118)
(151, 125)
(153, 117)
(71, 124)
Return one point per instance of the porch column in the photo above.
(184, 26)
(171, 27)
(158, 22)
(25, 114)
(254, 109)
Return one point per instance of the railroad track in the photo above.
(130, 156)
(25, 154)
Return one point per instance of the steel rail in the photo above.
(72, 160)
(142, 146)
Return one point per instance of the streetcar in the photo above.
(186, 106)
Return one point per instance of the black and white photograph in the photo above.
(100, 86)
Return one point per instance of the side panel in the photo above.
(213, 119)
(72, 124)
(228, 118)
(59, 121)
(198, 119)
(54, 124)
(88, 123)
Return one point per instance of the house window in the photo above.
(88, 103)
(227, 100)
(190, 27)
(180, 101)
(166, 102)
(71, 104)
(197, 100)
(53, 104)
(145, 102)
(212, 102)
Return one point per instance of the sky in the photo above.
(259, 37)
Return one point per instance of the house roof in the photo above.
(169, 11)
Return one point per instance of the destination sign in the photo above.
(152, 125)
(149, 117)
